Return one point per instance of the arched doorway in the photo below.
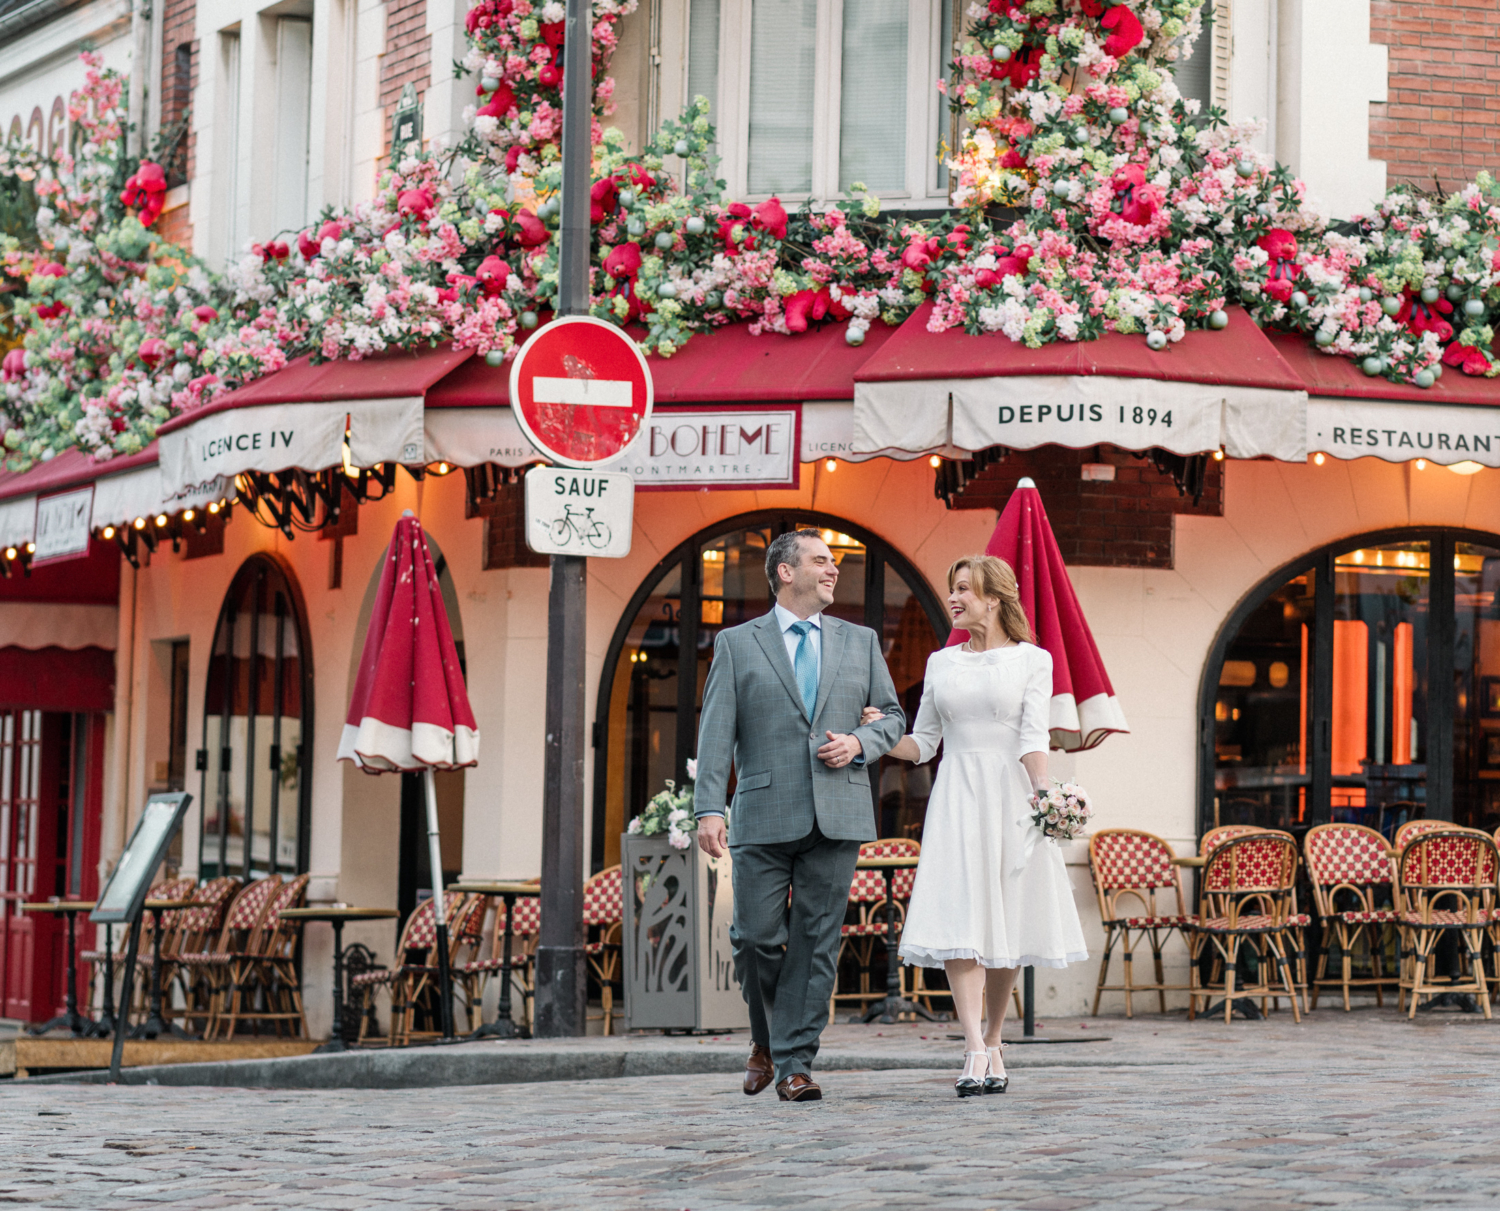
(1360, 683)
(652, 686)
(254, 798)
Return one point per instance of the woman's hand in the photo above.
(871, 714)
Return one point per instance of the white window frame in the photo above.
(925, 107)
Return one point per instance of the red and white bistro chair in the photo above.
(1129, 868)
(603, 910)
(1350, 869)
(1446, 883)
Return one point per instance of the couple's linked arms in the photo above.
(906, 749)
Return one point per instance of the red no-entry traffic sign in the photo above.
(581, 390)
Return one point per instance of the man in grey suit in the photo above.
(783, 702)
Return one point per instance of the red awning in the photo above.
(56, 679)
(1239, 355)
(1228, 390)
(1325, 374)
(393, 375)
(724, 366)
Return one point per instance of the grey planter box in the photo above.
(678, 969)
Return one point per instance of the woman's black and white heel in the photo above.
(995, 1080)
(971, 1082)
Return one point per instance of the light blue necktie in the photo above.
(805, 666)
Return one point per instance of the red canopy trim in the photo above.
(57, 679)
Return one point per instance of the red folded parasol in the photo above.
(410, 711)
(1084, 707)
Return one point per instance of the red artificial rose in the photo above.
(1467, 358)
(513, 158)
(550, 77)
(14, 366)
(1023, 67)
(275, 250)
(1092, 8)
(531, 232)
(1281, 246)
(331, 230)
(603, 198)
(803, 306)
(501, 102)
(492, 275)
(50, 311)
(1127, 33)
(416, 203)
(920, 253)
(308, 246)
(1135, 201)
(146, 192)
(1420, 317)
(737, 214)
(152, 350)
(205, 314)
(770, 217)
(51, 270)
(624, 260)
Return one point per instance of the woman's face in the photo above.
(967, 608)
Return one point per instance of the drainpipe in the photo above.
(140, 65)
(117, 799)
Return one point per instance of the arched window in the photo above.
(257, 730)
(1360, 683)
(652, 686)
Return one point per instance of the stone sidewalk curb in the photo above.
(505, 1063)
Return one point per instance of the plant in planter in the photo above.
(670, 811)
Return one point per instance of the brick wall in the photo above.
(1443, 115)
(179, 80)
(1127, 522)
(408, 57)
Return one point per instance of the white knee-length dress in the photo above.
(989, 886)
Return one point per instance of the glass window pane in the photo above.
(783, 42)
(1194, 76)
(703, 55)
(1261, 774)
(872, 108)
(1476, 686)
(1379, 727)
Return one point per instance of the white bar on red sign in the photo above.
(582, 392)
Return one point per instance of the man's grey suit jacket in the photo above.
(753, 715)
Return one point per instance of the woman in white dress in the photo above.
(991, 893)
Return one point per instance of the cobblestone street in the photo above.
(1363, 1110)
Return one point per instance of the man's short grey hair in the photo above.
(785, 548)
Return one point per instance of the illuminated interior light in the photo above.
(831, 465)
(934, 462)
(349, 468)
(1318, 459)
(1421, 464)
(189, 514)
(31, 548)
(109, 532)
(1466, 468)
(161, 519)
(140, 523)
(10, 552)
(443, 468)
(1218, 456)
(213, 507)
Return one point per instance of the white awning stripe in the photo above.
(120, 499)
(34, 625)
(310, 436)
(1398, 431)
(17, 521)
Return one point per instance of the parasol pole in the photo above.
(435, 863)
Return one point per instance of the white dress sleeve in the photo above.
(1036, 704)
(928, 730)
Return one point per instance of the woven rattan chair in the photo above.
(198, 928)
(226, 968)
(415, 973)
(1446, 882)
(1248, 900)
(603, 910)
(265, 987)
(98, 958)
(1415, 828)
(475, 974)
(865, 923)
(1349, 866)
(1129, 868)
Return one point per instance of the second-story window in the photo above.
(811, 97)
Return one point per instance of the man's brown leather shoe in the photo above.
(799, 1087)
(759, 1071)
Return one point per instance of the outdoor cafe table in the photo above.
(889, 1008)
(337, 915)
(155, 1025)
(503, 1027)
(70, 1018)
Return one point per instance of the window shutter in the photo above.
(703, 55)
(783, 51)
(1223, 47)
(872, 107)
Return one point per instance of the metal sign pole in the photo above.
(561, 986)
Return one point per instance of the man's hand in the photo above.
(840, 750)
(713, 836)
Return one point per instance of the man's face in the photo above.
(815, 575)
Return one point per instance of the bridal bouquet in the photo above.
(670, 811)
(1062, 813)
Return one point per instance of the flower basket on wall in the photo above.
(678, 969)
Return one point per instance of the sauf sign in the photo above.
(573, 512)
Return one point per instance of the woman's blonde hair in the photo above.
(992, 577)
